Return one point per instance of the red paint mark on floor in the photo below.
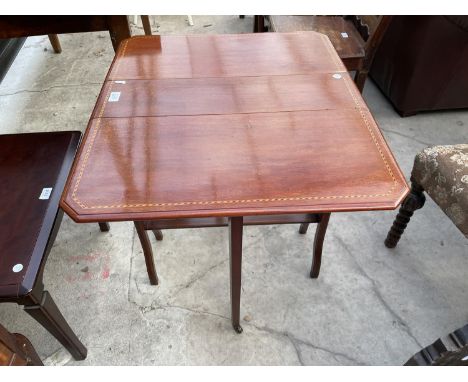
(97, 267)
(105, 272)
(82, 258)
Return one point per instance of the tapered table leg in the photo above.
(147, 251)
(318, 245)
(44, 311)
(235, 256)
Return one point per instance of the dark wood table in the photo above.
(24, 26)
(213, 130)
(33, 171)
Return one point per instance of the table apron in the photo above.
(224, 221)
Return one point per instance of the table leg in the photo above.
(146, 24)
(104, 227)
(147, 251)
(235, 256)
(318, 245)
(303, 228)
(118, 29)
(55, 42)
(42, 308)
(158, 234)
(259, 23)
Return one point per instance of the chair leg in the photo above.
(414, 201)
(43, 309)
(318, 245)
(235, 256)
(259, 24)
(147, 251)
(158, 234)
(303, 228)
(55, 42)
(104, 227)
(146, 24)
(360, 79)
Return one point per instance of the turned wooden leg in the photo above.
(55, 42)
(147, 251)
(146, 25)
(414, 201)
(104, 227)
(303, 228)
(360, 79)
(259, 24)
(235, 256)
(158, 234)
(42, 308)
(318, 245)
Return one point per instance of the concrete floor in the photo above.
(370, 305)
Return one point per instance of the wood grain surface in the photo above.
(219, 125)
(233, 95)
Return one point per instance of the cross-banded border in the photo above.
(351, 91)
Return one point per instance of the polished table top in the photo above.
(33, 171)
(230, 125)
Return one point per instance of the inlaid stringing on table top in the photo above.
(228, 125)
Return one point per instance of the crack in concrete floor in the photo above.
(52, 87)
(298, 351)
(293, 339)
(197, 277)
(407, 136)
(378, 294)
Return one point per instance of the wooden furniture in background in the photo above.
(146, 24)
(24, 26)
(355, 38)
(421, 63)
(17, 350)
(55, 42)
(33, 169)
(230, 130)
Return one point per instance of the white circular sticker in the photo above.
(18, 268)
(337, 76)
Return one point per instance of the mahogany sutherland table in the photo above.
(214, 130)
